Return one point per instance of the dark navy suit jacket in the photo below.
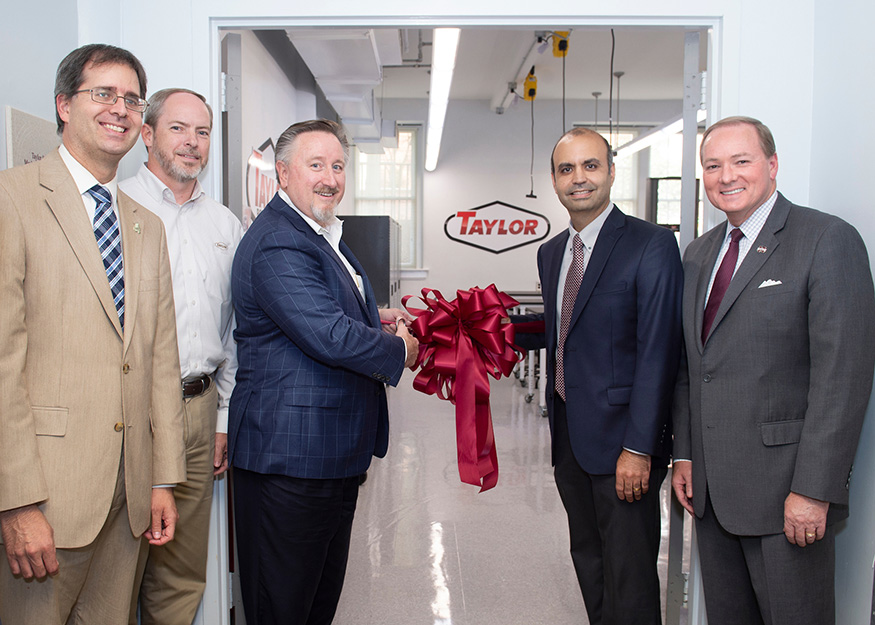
(623, 346)
(310, 398)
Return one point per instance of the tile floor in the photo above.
(427, 549)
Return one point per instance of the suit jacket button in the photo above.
(126, 368)
(119, 426)
(706, 378)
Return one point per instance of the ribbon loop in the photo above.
(464, 341)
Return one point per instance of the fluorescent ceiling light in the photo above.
(671, 127)
(446, 42)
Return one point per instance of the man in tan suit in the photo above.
(90, 409)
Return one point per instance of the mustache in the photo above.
(195, 153)
(328, 190)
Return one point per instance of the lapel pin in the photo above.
(761, 249)
(137, 227)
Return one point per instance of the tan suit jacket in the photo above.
(77, 395)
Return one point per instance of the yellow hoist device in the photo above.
(530, 87)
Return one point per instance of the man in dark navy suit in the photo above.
(612, 300)
(309, 409)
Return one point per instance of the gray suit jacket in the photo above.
(774, 401)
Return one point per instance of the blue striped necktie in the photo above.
(109, 240)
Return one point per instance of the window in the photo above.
(388, 184)
(624, 193)
(666, 158)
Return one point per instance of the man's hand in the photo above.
(682, 483)
(390, 317)
(633, 475)
(412, 344)
(164, 517)
(29, 542)
(804, 519)
(220, 456)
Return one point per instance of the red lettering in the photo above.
(465, 215)
(490, 225)
(501, 228)
(516, 226)
(531, 224)
(477, 227)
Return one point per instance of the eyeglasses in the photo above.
(105, 96)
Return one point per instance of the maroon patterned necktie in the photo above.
(569, 296)
(721, 282)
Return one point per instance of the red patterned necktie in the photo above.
(721, 282)
(569, 296)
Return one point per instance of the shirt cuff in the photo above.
(637, 453)
(222, 420)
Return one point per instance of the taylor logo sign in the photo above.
(497, 227)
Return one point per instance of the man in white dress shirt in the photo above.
(202, 236)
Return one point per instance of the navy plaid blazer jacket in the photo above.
(310, 398)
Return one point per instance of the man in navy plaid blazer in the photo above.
(309, 408)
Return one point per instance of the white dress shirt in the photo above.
(84, 180)
(588, 236)
(332, 234)
(202, 236)
(751, 230)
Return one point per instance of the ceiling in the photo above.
(358, 68)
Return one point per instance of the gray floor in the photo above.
(428, 549)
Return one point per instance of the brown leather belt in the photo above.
(192, 387)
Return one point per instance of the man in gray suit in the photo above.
(779, 335)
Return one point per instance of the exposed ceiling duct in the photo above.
(348, 66)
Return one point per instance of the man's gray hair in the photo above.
(286, 143)
(156, 104)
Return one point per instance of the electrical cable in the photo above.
(532, 161)
(611, 92)
(563, 95)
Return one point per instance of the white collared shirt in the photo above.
(202, 236)
(589, 235)
(84, 180)
(751, 230)
(332, 234)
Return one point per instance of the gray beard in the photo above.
(179, 174)
(323, 216)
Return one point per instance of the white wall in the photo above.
(487, 157)
(269, 102)
(841, 183)
(29, 56)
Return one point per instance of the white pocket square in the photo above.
(769, 283)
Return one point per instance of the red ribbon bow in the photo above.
(462, 342)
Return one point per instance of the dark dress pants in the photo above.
(292, 545)
(765, 580)
(614, 543)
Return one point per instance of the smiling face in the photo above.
(582, 177)
(99, 135)
(315, 176)
(738, 176)
(179, 142)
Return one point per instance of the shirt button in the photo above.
(119, 426)
(706, 378)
